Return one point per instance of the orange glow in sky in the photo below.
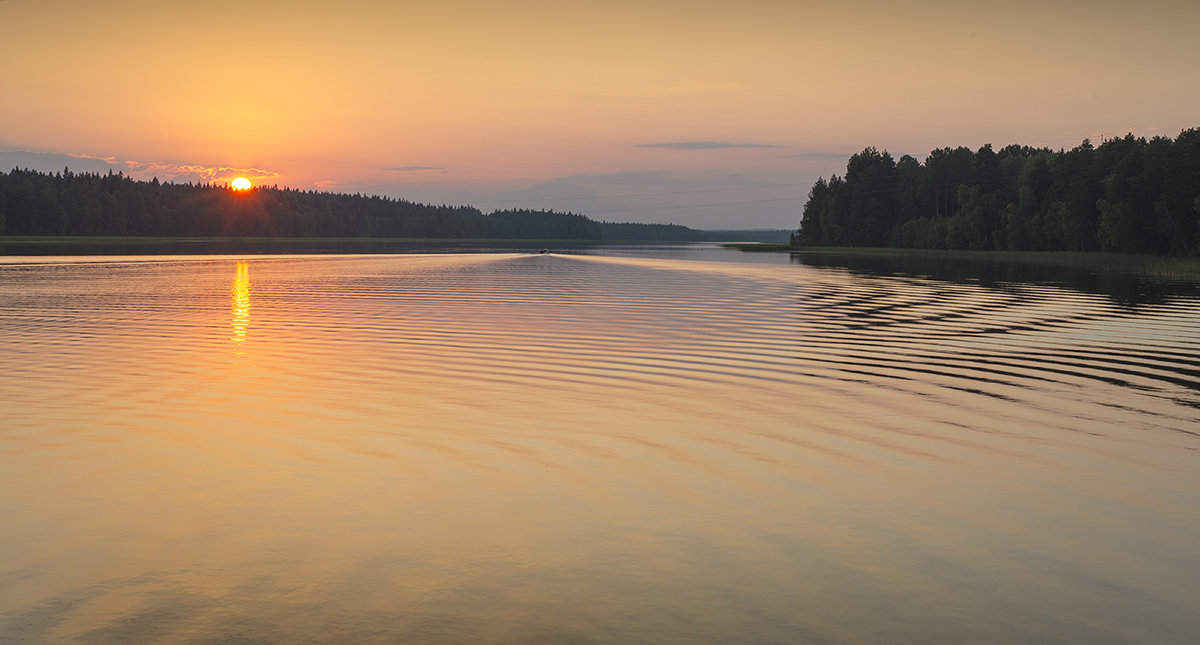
(708, 113)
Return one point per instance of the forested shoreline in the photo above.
(1129, 195)
(66, 203)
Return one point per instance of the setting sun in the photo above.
(241, 183)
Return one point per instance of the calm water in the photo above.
(663, 446)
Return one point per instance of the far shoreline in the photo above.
(13, 246)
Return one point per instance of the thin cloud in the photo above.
(416, 169)
(818, 155)
(174, 172)
(108, 160)
(703, 145)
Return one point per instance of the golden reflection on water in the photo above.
(241, 301)
(505, 448)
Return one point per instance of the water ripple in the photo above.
(491, 433)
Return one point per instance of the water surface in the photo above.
(660, 446)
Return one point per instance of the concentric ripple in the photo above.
(586, 448)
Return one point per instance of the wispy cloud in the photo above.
(703, 145)
(416, 169)
(818, 155)
(176, 172)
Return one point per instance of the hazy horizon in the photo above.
(711, 115)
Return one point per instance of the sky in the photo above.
(710, 114)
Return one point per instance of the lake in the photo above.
(630, 445)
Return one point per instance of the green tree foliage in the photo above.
(66, 203)
(1129, 194)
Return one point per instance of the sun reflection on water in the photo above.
(241, 302)
(597, 448)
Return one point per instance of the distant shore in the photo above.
(65, 245)
(197, 245)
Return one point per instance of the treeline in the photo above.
(113, 204)
(650, 232)
(1128, 195)
(679, 233)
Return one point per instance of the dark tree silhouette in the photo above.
(113, 204)
(1129, 195)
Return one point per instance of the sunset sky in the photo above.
(710, 114)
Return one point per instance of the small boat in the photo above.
(544, 251)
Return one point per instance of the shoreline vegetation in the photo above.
(66, 204)
(51, 245)
(1129, 195)
(1162, 266)
(150, 239)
